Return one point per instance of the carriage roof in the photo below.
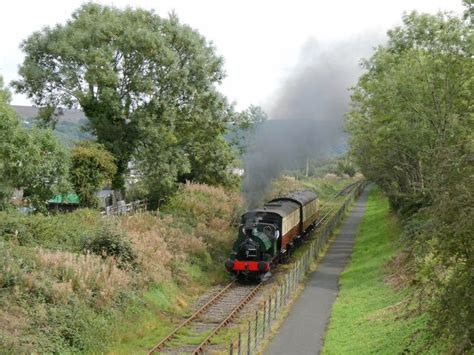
(281, 208)
(302, 197)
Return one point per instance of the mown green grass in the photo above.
(369, 316)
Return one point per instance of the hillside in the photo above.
(69, 128)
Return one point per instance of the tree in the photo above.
(91, 167)
(412, 102)
(43, 167)
(33, 160)
(244, 127)
(146, 84)
(412, 132)
(8, 130)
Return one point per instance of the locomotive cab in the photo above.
(253, 251)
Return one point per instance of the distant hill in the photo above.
(69, 128)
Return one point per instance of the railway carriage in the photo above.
(267, 235)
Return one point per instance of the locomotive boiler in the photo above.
(268, 235)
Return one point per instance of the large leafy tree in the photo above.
(30, 160)
(414, 101)
(147, 85)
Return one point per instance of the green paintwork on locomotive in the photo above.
(267, 245)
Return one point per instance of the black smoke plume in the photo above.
(306, 115)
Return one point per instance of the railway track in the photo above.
(222, 308)
(208, 320)
(330, 207)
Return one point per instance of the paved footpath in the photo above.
(303, 330)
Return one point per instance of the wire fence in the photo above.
(261, 323)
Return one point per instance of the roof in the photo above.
(71, 199)
(281, 208)
(301, 197)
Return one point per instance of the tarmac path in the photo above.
(303, 330)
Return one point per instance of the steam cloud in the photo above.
(306, 117)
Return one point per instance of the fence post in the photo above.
(256, 329)
(264, 317)
(281, 295)
(269, 311)
(291, 279)
(239, 344)
(248, 341)
(276, 304)
(231, 348)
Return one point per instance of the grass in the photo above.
(369, 316)
(54, 297)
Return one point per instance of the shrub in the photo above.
(110, 242)
(60, 232)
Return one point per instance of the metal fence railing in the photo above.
(261, 323)
(125, 209)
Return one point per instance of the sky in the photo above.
(261, 41)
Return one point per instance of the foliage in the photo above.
(8, 130)
(77, 282)
(43, 167)
(346, 166)
(109, 242)
(66, 232)
(412, 126)
(33, 160)
(91, 167)
(147, 84)
(208, 214)
(242, 133)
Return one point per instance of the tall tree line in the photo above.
(412, 129)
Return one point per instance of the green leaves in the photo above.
(33, 160)
(91, 167)
(147, 85)
(412, 126)
(411, 101)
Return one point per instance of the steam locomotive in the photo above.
(268, 235)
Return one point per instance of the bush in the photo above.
(110, 242)
(59, 232)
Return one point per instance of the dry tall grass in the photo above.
(87, 276)
(198, 222)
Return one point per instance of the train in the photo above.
(268, 235)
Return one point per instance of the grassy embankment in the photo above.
(83, 283)
(326, 187)
(372, 313)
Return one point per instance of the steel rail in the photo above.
(346, 189)
(200, 348)
(350, 188)
(192, 317)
